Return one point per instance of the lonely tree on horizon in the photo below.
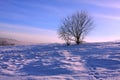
(75, 27)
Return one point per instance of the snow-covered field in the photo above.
(90, 61)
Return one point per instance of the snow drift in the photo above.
(89, 61)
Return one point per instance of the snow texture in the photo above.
(89, 61)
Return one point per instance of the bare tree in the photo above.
(62, 34)
(76, 27)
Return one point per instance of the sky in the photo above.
(38, 20)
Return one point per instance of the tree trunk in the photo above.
(77, 41)
(68, 44)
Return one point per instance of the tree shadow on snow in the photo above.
(104, 63)
(37, 68)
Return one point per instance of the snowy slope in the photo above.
(90, 61)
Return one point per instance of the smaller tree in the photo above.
(63, 35)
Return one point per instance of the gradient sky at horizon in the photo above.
(38, 20)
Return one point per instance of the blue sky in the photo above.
(38, 20)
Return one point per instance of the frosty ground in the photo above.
(89, 61)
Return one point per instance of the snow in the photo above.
(89, 61)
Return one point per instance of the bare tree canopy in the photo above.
(75, 27)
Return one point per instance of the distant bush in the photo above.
(5, 43)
